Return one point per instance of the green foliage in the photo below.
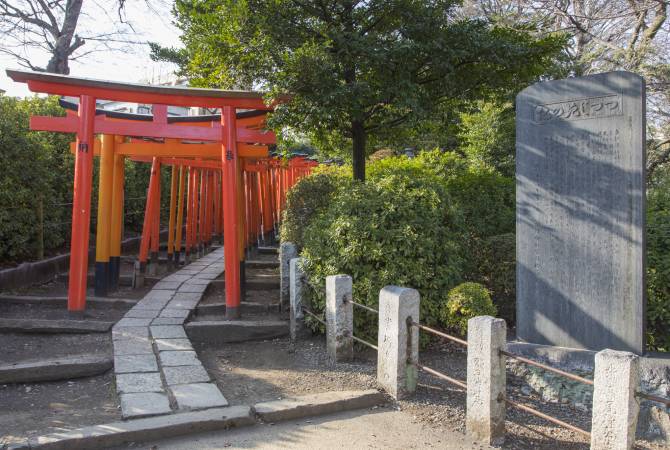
(658, 265)
(398, 228)
(355, 69)
(487, 135)
(465, 301)
(495, 258)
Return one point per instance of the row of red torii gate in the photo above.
(223, 179)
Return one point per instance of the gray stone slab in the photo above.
(167, 332)
(580, 202)
(130, 332)
(135, 363)
(139, 382)
(141, 314)
(147, 429)
(167, 285)
(168, 321)
(178, 313)
(144, 404)
(159, 294)
(54, 326)
(218, 332)
(206, 276)
(187, 296)
(318, 404)
(54, 369)
(133, 322)
(199, 281)
(178, 358)
(185, 375)
(188, 287)
(198, 396)
(178, 277)
(133, 346)
(153, 304)
(173, 344)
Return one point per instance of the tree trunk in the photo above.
(358, 137)
(64, 45)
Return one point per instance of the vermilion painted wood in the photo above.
(148, 213)
(81, 205)
(230, 221)
(150, 129)
(156, 212)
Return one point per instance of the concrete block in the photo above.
(138, 382)
(486, 380)
(147, 429)
(173, 344)
(134, 322)
(133, 346)
(54, 369)
(185, 375)
(167, 321)
(615, 407)
(135, 363)
(296, 286)
(317, 404)
(178, 358)
(198, 396)
(287, 251)
(339, 317)
(168, 332)
(143, 404)
(141, 314)
(397, 342)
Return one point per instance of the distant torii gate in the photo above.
(226, 134)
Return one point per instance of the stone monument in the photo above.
(580, 202)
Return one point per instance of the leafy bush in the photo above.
(465, 301)
(400, 228)
(658, 266)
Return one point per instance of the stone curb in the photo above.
(54, 369)
(317, 405)
(54, 326)
(172, 425)
(221, 332)
(138, 430)
(98, 302)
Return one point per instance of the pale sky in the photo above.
(151, 23)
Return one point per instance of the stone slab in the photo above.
(168, 332)
(143, 404)
(134, 322)
(177, 277)
(54, 369)
(178, 358)
(173, 344)
(167, 321)
(154, 304)
(187, 296)
(236, 331)
(147, 429)
(141, 314)
(185, 375)
(54, 326)
(580, 202)
(138, 382)
(168, 285)
(178, 313)
(198, 396)
(135, 363)
(191, 287)
(130, 333)
(183, 304)
(317, 404)
(133, 346)
(158, 294)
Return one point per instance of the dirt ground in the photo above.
(10, 310)
(34, 347)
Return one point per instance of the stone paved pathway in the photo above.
(157, 371)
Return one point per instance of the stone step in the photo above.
(219, 332)
(259, 264)
(54, 326)
(60, 301)
(247, 307)
(54, 369)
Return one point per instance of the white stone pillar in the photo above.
(485, 412)
(615, 408)
(398, 343)
(339, 318)
(296, 284)
(287, 251)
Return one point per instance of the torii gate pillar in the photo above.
(230, 221)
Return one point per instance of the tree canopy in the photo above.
(356, 68)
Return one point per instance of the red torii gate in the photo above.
(85, 124)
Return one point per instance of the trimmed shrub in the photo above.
(496, 259)
(465, 301)
(400, 228)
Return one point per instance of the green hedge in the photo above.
(38, 168)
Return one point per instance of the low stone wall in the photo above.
(653, 420)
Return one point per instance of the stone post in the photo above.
(287, 251)
(296, 284)
(485, 412)
(615, 407)
(339, 318)
(138, 275)
(398, 343)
